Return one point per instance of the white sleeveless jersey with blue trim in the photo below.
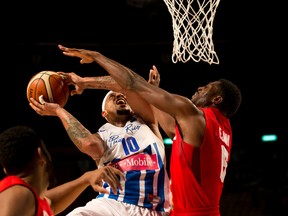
(140, 154)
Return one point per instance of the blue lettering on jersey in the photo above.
(130, 128)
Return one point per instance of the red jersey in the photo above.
(42, 209)
(197, 174)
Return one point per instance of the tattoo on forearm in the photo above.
(101, 82)
(76, 131)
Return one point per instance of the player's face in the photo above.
(204, 94)
(116, 102)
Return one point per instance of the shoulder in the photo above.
(18, 189)
(106, 130)
(18, 198)
(107, 126)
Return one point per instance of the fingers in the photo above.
(154, 76)
(116, 171)
(112, 179)
(43, 107)
(155, 68)
(66, 78)
(62, 74)
(84, 55)
(100, 189)
(109, 175)
(73, 92)
(35, 105)
(154, 71)
(61, 47)
(65, 50)
(76, 91)
(112, 176)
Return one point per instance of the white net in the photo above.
(193, 30)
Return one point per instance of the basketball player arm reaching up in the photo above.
(180, 108)
(87, 142)
(139, 106)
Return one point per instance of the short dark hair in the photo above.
(18, 146)
(232, 97)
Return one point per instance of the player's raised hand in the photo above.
(75, 80)
(154, 76)
(86, 56)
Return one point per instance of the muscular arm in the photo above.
(180, 108)
(189, 118)
(84, 140)
(136, 102)
(64, 195)
(126, 78)
(140, 106)
(82, 83)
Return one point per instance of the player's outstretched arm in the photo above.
(127, 79)
(82, 83)
(64, 195)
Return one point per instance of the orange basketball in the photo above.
(49, 84)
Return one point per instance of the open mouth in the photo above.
(121, 101)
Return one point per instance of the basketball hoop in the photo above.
(193, 30)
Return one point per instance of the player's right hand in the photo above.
(75, 80)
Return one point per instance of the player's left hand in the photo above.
(107, 174)
(154, 76)
(44, 108)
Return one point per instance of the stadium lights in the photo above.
(167, 141)
(269, 138)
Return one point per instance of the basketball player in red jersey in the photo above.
(28, 166)
(199, 127)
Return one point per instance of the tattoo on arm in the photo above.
(76, 131)
(102, 82)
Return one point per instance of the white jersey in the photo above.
(140, 154)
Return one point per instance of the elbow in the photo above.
(94, 149)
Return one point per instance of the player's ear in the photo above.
(40, 155)
(104, 114)
(4, 170)
(217, 100)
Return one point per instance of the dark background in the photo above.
(248, 39)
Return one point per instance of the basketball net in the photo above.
(193, 30)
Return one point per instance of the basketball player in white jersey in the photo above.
(129, 142)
